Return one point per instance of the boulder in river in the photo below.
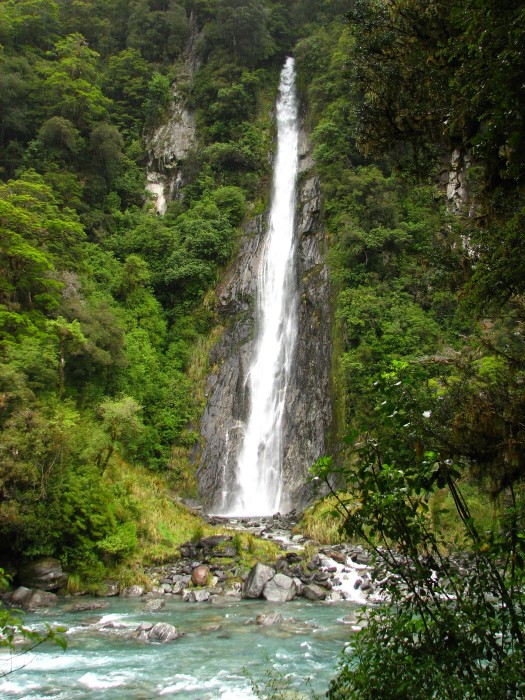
(155, 605)
(314, 592)
(41, 599)
(162, 632)
(280, 589)
(257, 579)
(189, 595)
(132, 592)
(31, 599)
(19, 596)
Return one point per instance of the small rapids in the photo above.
(220, 650)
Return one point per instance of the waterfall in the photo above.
(258, 488)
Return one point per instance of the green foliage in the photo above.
(102, 337)
(437, 616)
(240, 27)
(158, 97)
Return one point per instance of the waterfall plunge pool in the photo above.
(221, 649)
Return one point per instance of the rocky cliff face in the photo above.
(308, 414)
(168, 146)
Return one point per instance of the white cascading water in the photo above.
(258, 475)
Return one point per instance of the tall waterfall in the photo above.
(258, 475)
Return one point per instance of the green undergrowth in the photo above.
(159, 525)
(251, 549)
(322, 522)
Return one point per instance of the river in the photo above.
(221, 649)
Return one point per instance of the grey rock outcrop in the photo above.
(257, 580)
(45, 573)
(167, 148)
(169, 145)
(32, 599)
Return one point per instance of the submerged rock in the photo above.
(268, 619)
(88, 606)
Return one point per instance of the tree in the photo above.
(69, 88)
(449, 626)
(241, 27)
(125, 81)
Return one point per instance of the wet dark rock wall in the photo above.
(308, 413)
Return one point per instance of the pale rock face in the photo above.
(257, 579)
(457, 193)
(167, 148)
(280, 589)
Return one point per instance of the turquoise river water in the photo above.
(214, 660)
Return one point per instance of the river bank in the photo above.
(151, 641)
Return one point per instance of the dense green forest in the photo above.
(416, 112)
